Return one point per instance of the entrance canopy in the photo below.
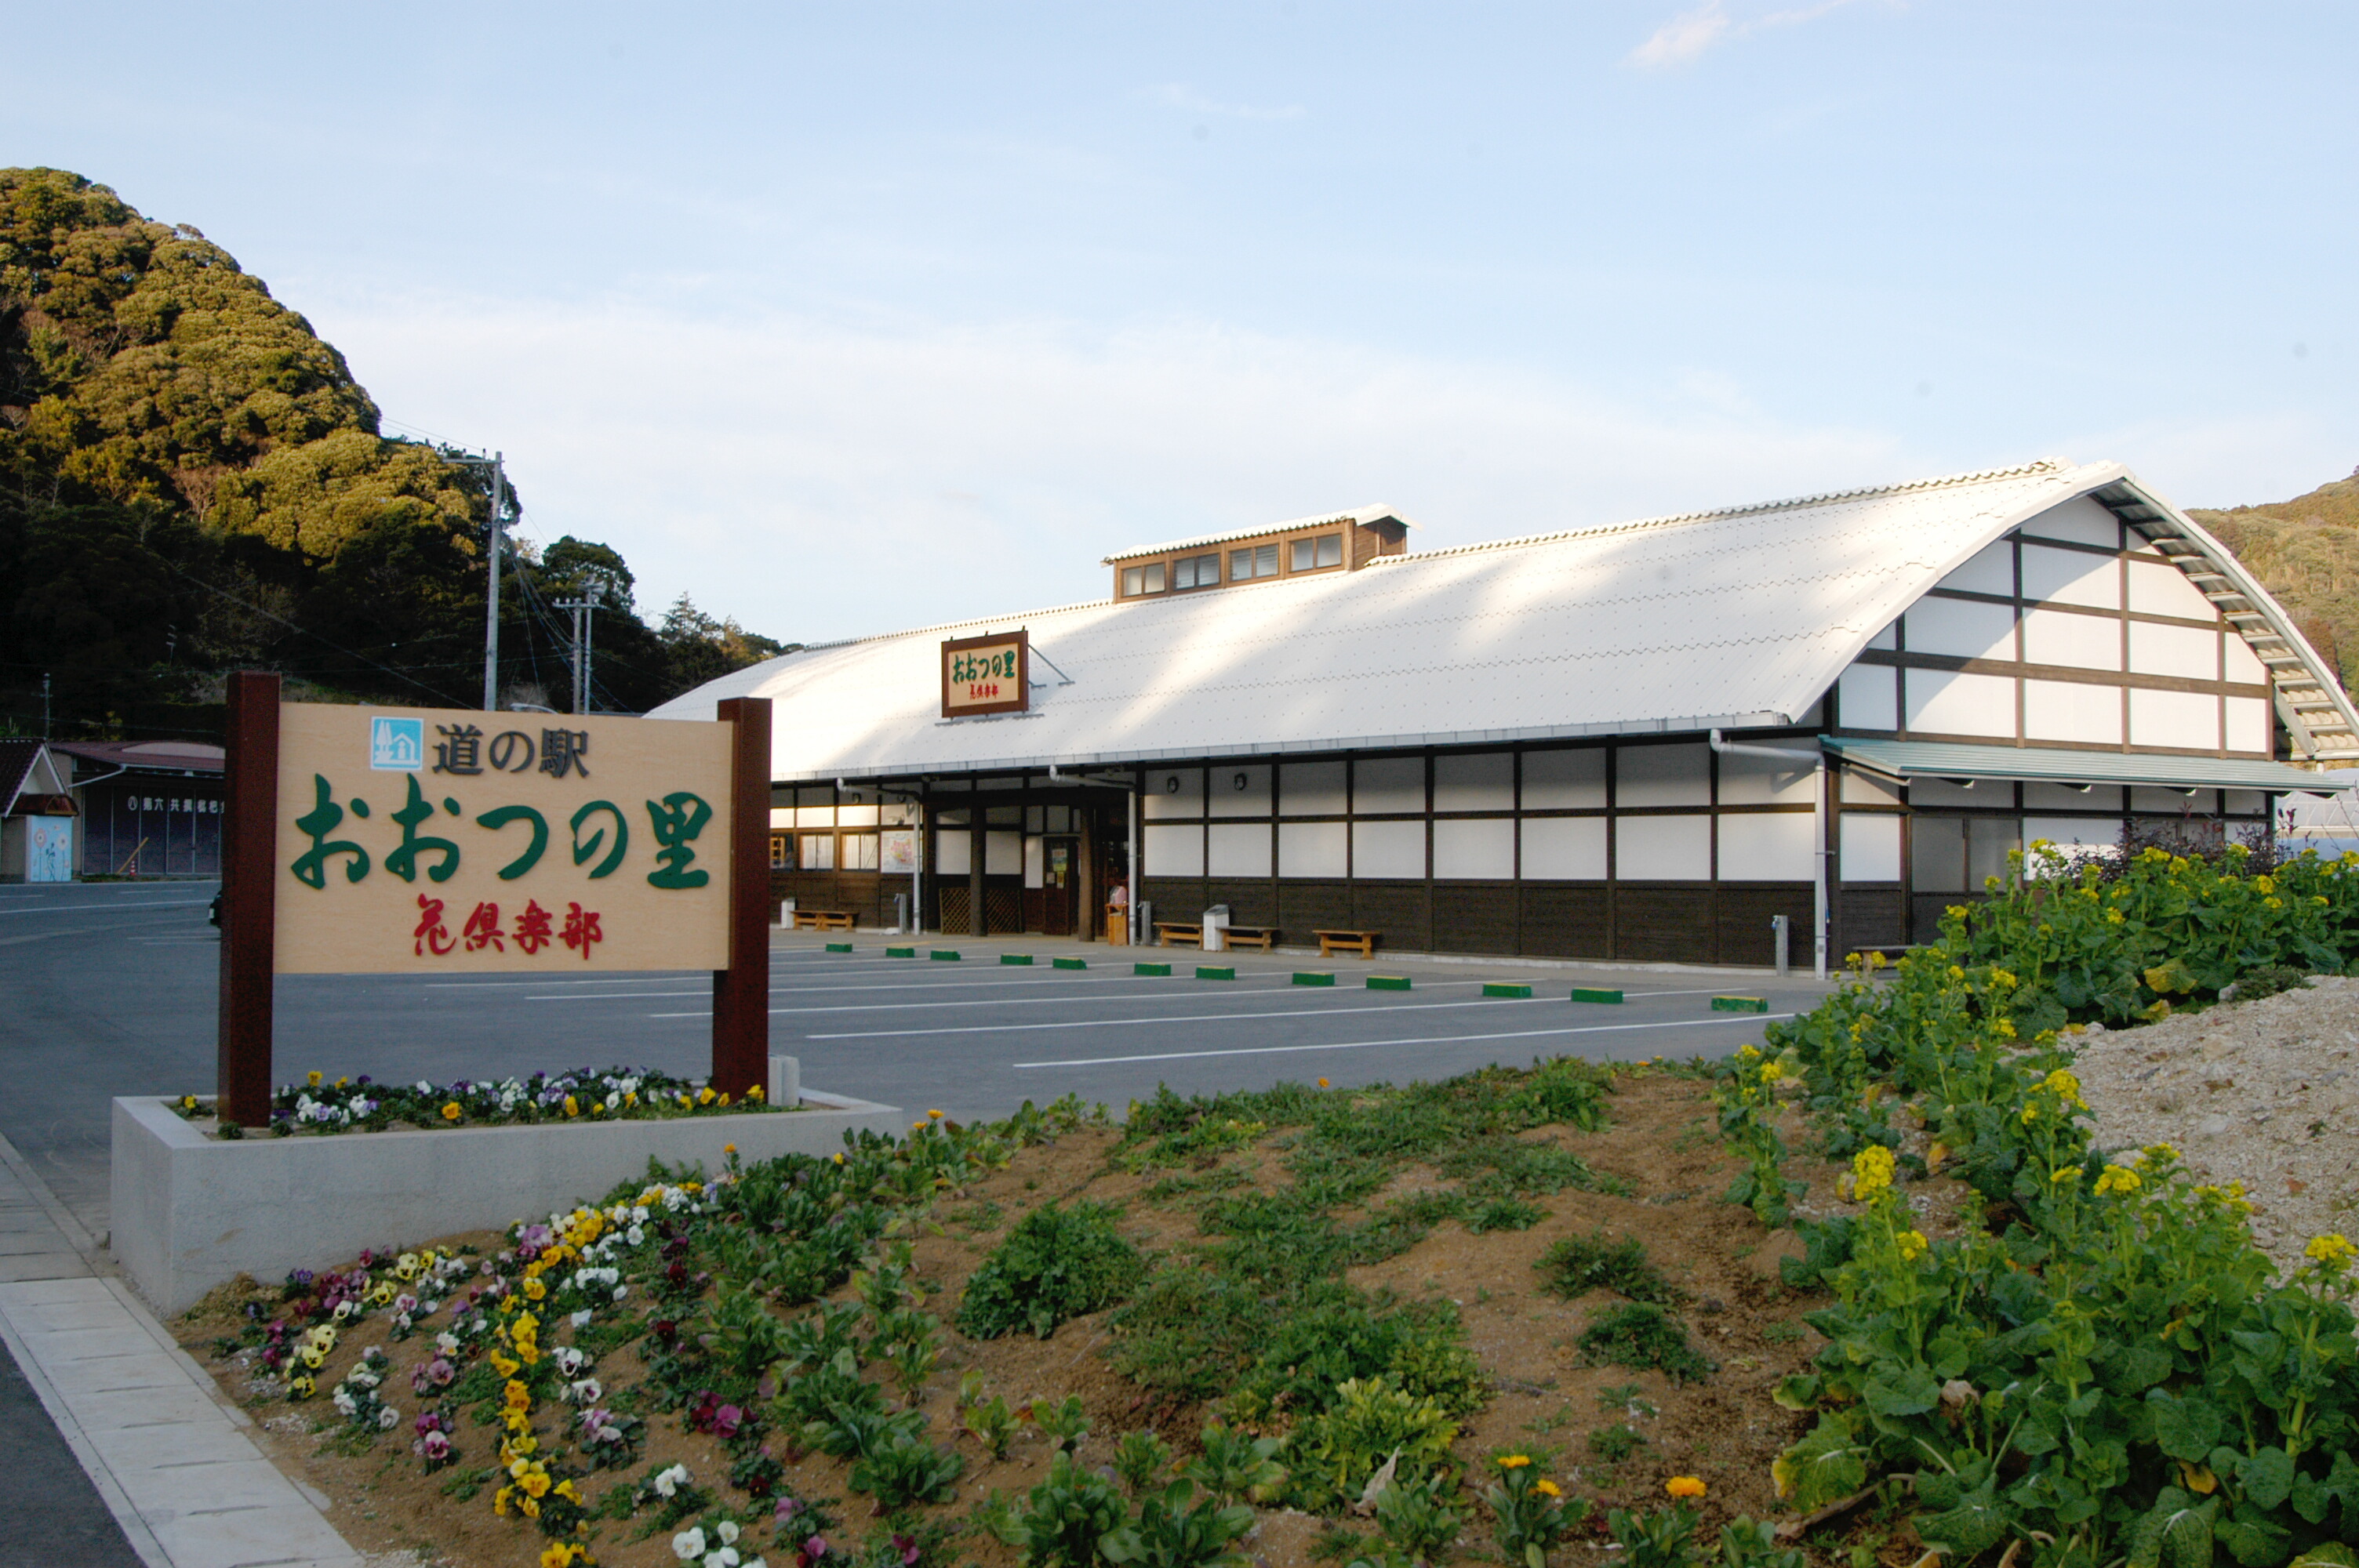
(1905, 760)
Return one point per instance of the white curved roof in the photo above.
(1735, 617)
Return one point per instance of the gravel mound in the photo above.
(2264, 1092)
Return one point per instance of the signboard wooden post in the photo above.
(372, 840)
(986, 674)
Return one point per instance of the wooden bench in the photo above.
(1364, 943)
(822, 919)
(1178, 933)
(1260, 937)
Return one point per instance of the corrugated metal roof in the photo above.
(1357, 515)
(1734, 617)
(1941, 758)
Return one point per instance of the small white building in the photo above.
(37, 814)
(1639, 741)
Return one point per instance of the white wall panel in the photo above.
(1311, 789)
(2080, 520)
(1871, 847)
(1387, 850)
(954, 852)
(2071, 577)
(1662, 775)
(1238, 849)
(1944, 703)
(1240, 789)
(1312, 850)
(2159, 587)
(1959, 628)
(1388, 784)
(1482, 847)
(1484, 782)
(2180, 651)
(2244, 802)
(1174, 852)
(2248, 724)
(1867, 698)
(1888, 639)
(1173, 791)
(1769, 848)
(2186, 720)
(2064, 797)
(1662, 849)
(1564, 781)
(2082, 641)
(2067, 710)
(1990, 571)
(2244, 666)
(1866, 789)
(1765, 780)
(1035, 862)
(1564, 849)
(1003, 853)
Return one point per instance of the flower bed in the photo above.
(2100, 1364)
(586, 1094)
(1224, 1332)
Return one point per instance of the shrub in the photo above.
(1641, 1335)
(1174, 1530)
(1416, 1518)
(899, 1467)
(1140, 1458)
(1580, 1264)
(1054, 1265)
(1370, 1421)
(2268, 980)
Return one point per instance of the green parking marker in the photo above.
(1595, 993)
(1150, 968)
(900, 952)
(1215, 972)
(1740, 1004)
(1072, 963)
(839, 947)
(1312, 977)
(1388, 983)
(1024, 959)
(945, 954)
(1516, 988)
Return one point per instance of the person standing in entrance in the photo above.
(1118, 914)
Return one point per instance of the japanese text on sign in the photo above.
(985, 675)
(426, 840)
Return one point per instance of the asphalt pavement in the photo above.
(109, 990)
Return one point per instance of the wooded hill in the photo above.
(192, 482)
(2306, 551)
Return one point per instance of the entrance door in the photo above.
(1061, 877)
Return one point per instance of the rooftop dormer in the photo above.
(1331, 542)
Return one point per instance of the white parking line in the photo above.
(127, 906)
(912, 986)
(1428, 1040)
(1117, 1022)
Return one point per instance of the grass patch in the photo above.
(1643, 1335)
(1580, 1264)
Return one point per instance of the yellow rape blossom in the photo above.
(2333, 1249)
(1912, 1245)
(1771, 1071)
(2117, 1179)
(1871, 1172)
(2064, 1086)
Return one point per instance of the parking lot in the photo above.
(112, 991)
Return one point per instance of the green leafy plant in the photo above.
(1745, 1544)
(1417, 1518)
(1528, 1510)
(1660, 1537)
(899, 1466)
(1641, 1335)
(1614, 1443)
(1056, 1264)
(1061, 1421)
(991, 1422)
(1064, 1519)
(1577, 1265)
(1234, 1464)
(1140, 1458)
(1370, 1424)
(1173, 1529)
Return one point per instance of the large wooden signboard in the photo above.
(986, 674)
(383, 840)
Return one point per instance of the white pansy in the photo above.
(689, 1545)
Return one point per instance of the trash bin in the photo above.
(1216, 929)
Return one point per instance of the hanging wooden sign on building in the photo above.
(986, 674)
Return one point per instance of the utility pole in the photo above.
(45, 705)
(582, 608)
(498, 518)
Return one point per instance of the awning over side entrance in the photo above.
(1905, 759)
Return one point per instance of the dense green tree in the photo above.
(190, 481)
(2305, 552)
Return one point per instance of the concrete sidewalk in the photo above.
(140, 1461)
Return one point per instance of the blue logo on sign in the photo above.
(398, 744)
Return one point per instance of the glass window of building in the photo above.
(1197, 571)
(1315, 554)
(1256, 561)
(819, 851)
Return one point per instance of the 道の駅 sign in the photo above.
(412, 839)
(986, 674)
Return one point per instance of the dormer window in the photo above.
(1259, 560)
(1197, 571)
(1136, 580)
(1317, 553)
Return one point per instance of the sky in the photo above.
(847, 318)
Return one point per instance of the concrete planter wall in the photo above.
(193, 1212)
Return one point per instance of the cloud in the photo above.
(817, 478)
(1691, 33)
(1180, 95)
